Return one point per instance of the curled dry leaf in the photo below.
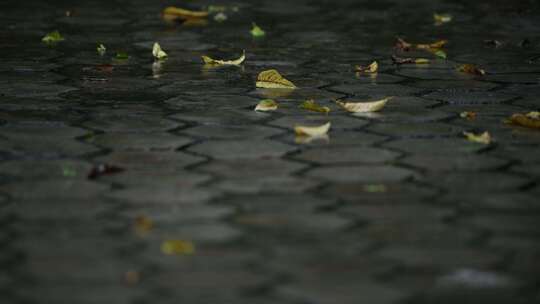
(400, 60)
(220, 17)
(438, 52)
(271, 79)
(468, 115)
(182, 13)
(442, 18)
(177, 247)
(312, 130)
(529, 120)
(266, 105)
(471, 69)
(256, 31)
(311, 105)
(52, 37)
(483, 138)
(364, 107)
(158, 52)
(372, 68)
(211, 61)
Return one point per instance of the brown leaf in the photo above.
(103, 169)
(372, 68)
(529, 120)
(468, 115)
(471, 69)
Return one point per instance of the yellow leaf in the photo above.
(52, 37)
(435, 45)
(211, 61)
(177, 247)
(184, 13)
(364, 107)
(310, 105)
(372, 68)
(312, 130)
(529, 120)
(143, 225)
(442, 18)
(471, 69)
(158, 52)
(483, 138)
(271, 79)
(266, 105)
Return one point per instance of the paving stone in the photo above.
(232, 132)
(250, 168)
(126, 122)
(375, 90)
(338, 122)
(454, 85)
(344, 155)
(471, 182)
(228, 117)
(151, 161)
(379, 193)
(510, 202)
(414, 130)
(33, 89)
(241, 149)
(466, 162)
(270, 184)
(64, 189)
(470, 98)
(139, 178)
(139, 142)
(440, 146)
(50, 169)
(363, 174)
(165, 195)
(506, 224)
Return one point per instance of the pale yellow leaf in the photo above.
(312, 130)
(184, 13)
(483, 138)
(372, 68)
(364, 107)
(211, 61)
(158, 52)
(271, 79)
(442, 18)
(177, 247)
(266, 105)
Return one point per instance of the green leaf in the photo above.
(122, 56)
(52, 37)
(256, 31)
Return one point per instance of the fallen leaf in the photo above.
(177, 247)
(103, 169)
(143, 224)
(312, 130)
(403, 45)
(372, 68)
(122, 56)
(364, 107)
(442, 18)
(220, 17)
(310, 105)
(216, 9)
(184, 13)
(132, 277)
(256, 31)
(399, 60)
(375, 188)
(271, 79)
(438, 52)
(529, 120)
(468, 115)
(52, 37)
(483, 138)
(101, 49)
(303, 139)
(158, 52)
(493, 43)
(435, 45)
(471, 69)
(266, 105)
(211, 61)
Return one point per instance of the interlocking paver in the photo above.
(395, 206)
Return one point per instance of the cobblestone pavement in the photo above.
(396, 207)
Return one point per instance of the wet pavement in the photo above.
(395, 207)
